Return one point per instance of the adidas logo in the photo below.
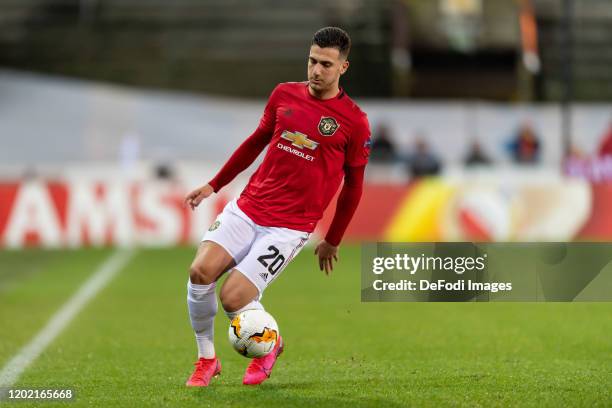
(264, 276)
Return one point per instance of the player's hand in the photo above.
(194, 198)
(327, 255)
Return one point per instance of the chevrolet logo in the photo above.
(300, 140)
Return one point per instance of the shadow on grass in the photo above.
(343, 393)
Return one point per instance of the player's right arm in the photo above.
(196, 196)
(243, 157)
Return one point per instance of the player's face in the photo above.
(325, 65)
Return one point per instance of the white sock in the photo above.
(202, 304)
(253, 305)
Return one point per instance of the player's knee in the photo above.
(202, 274)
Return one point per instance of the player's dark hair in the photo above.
(333, 37)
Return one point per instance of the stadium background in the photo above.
(491, 120)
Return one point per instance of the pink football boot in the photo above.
(260, 368)
(206, 368)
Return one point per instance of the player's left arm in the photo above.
(358, 151)
(327, 250)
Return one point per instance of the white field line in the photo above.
(59, 321)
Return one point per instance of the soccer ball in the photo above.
(253, 333)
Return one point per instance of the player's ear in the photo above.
(344, 66)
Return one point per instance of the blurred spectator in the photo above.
(164, 171)
(422, 162)
(525, 146)
(383, 149)
(476, 156)
(605, 148)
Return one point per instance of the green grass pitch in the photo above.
(132, 345)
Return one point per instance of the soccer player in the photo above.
(316, 136)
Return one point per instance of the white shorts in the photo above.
(260, 253)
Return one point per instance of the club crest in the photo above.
(215, 225)
(328, 126)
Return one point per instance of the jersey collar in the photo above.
(339, 95)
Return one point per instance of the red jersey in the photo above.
(310, 143)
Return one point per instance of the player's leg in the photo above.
(273, 249)
(227, 241)
(210, 262)
(238, 294)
